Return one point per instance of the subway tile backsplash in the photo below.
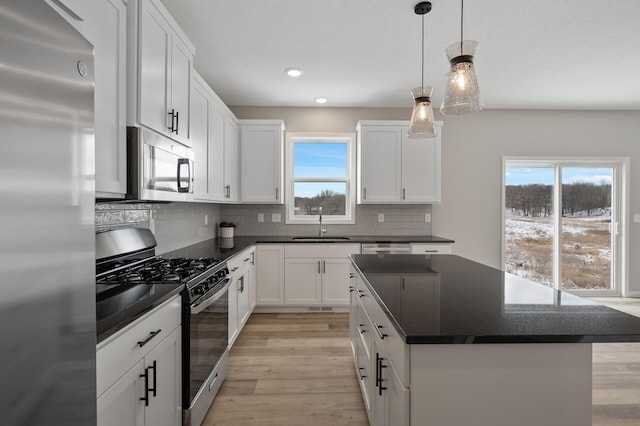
(174, 225)
(398, 220)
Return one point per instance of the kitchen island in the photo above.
(441, 340)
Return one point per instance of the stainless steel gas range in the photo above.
(131, 280)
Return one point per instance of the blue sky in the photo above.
(320, 160)
(544, 175)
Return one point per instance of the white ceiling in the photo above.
(541, 54)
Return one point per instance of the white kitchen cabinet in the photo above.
(103, 23)
(240, 299)
(160, 70)
(270, 275)
(431, 248)
(261, 161)
(317, 274)
(139, 371)
(230, 169)
(394, 169)
(214, 143)
(390, 399)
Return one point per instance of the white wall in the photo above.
(472, 151)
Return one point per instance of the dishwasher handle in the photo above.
(386, 248)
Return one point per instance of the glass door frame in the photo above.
(619, 219)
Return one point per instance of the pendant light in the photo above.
(422, 125)
(462, 94)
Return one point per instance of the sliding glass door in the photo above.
(561, 223)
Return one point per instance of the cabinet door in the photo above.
(380, 159)
(181, 69)
(230, 186)
(303, 281)
(233, 309)
(164, 364)
(121, 404)
(335, 281)
(390, 399)
(104, 25)
(153, 66)
(252, 282)
(243, 300)
(270, 274)
(420, 170)
(261, 163)
(200, 132)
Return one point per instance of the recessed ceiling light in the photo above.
(294, 72)
(321, 100)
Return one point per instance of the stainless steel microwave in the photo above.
(159, 169)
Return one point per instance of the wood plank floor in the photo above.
(297, 369)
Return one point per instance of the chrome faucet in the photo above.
(323, 230)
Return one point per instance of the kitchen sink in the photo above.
(319, 239)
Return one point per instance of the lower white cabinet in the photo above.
(317, 274)
(270, 274)
(241, 291)
(139, 371)
(381, 359)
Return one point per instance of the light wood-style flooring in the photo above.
(297, 369)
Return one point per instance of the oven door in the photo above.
(205, 348)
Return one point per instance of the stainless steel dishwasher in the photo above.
(386, 248)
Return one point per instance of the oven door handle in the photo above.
(209, 300)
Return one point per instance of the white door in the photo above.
(335, 281)
(381, 157)
(302, 282)
(121, 404)
(163, 364)
(420, 169)
(181, 66)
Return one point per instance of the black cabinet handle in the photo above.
(155, 379)
(362, 376)
(177, 121)
(351, 275)
(145, 398)
(351, 289)
(379, 379)
(361, 293)
(151, 336)
(360, 329)
(379, 330)
(173, 118)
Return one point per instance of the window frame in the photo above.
(350, 202)
(620, 198)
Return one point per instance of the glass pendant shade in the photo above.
(421, 125)
(462, 94)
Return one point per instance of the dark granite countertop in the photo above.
(224, 248)
(449, 299)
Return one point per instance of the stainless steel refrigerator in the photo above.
(47, 261)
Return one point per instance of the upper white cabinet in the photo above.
(394, 169)
(214, 138)
(261, 161)
(103, 23)
(160, 66)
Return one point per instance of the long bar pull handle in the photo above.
(145, 398)
(431, 251)
(360, 329)
(324, 266)
(351, 289)
(404, 193)
(173, 118)
(155, 379)
(364, 195)
(177, 121)
(361, 293)
(151, 336)
(319, 270)
(277, 194)
(379, 360)
(351, 275)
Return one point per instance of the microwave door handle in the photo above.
(182, 162)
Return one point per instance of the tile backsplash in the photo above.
(174, 225)
(398, 220)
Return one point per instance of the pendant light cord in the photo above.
(422, 76)
(461, 24)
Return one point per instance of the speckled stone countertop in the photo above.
(443, 298)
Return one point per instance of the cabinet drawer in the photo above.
(364, 329)
(118, 353)
(420, 248)
(240, 260)
(321, 250)
(385, 332)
